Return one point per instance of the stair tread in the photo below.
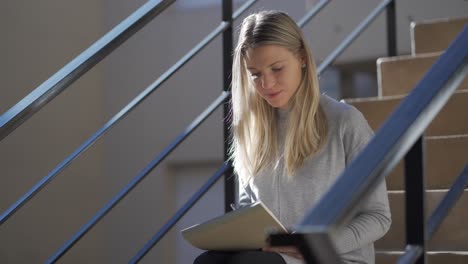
(445, 156)
(452, 234)
(452, 119)
(398, 75)
(452, 257)
(435, 35)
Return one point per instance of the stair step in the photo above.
(435, 35)
(398, 75)
(432, 257)
(452, 120)
(452, 234)
(445, 158)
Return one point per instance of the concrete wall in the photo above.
(42, 37)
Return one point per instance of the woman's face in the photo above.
(276, 73)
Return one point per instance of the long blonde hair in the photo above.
(254, 123)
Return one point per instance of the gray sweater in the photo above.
(290, 199)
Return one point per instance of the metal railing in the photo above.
(402, 132)
(454, 193)
(141, 13)
(229, 194)
(75, 70)
(63, 78)
(180, 213)
(391, 41)
(342, 46)
(309, 243)
(135, 181)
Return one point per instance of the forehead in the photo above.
(265, 55)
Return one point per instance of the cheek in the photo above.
(256, 88)
(289, 81)
(296, 79)
(256, 85)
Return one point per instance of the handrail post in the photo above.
(229, 183)
(391, 29)
(415, 198)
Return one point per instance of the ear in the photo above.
(302, 57)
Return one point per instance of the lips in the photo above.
(273, 95)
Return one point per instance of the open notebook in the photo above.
(243, 229)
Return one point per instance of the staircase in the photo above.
(36, 232)
(446, 143)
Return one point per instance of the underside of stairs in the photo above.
(446, 143)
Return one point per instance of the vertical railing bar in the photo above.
(229, 182)
(391, 29)
(180, 213)
(415, 198)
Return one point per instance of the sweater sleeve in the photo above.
(373, 219)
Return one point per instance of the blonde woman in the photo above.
(290, 143)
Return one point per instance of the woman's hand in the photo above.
(288, 250)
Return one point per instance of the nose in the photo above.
(268, 81)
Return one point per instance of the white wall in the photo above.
(41, 36)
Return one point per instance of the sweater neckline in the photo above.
(282, 114)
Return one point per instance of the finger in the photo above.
(284, 248)
(294, 255)
(281, 249)
(269, 249)
(288, 249)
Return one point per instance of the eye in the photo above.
(277, 69)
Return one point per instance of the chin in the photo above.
(274, 104)
(279, 106)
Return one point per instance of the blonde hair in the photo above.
(254, 123)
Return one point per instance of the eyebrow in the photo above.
(252, 68)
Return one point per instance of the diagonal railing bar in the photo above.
(411, 255)
(405, 125)
(312, 12)
(180, 213)
(63, 78)
(243, 8)
(447, 203)
(119, 116)
(114, 201)
(353, 35)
